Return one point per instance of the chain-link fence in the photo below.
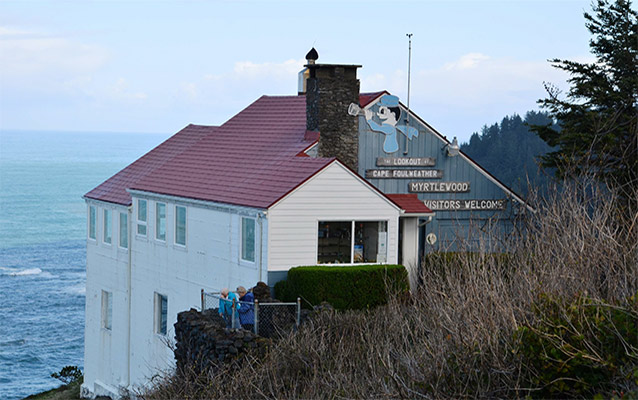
(266, 318)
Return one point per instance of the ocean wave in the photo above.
(79, 290)
(17, 342)
(26, 272)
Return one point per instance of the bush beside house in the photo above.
(345, 288)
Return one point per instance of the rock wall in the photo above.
(203, 341)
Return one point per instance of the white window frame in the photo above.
(157, 314)
(352, 238)
(119, 241)
(108, 212)
(140, 222)
(157, 221)
(107, 310)
(185, 226)
(93, 223)
(241, 240)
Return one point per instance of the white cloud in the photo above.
(268, 70)
(467, 61)
(29, 55)
(461, 95)
(121, 91)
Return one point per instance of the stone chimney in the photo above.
(330, 88)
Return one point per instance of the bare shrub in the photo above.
(455, 337)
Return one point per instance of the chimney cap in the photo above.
(312, 56)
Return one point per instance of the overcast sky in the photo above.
(156, 66)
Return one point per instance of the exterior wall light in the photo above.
(453, 148)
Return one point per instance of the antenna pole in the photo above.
(409, 35)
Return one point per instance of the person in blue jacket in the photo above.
(226, 306)
(246, 311)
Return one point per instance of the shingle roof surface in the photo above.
(410, 203)
(367, 98)
(251, 160)
(113, 190)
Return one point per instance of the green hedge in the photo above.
(345, 288)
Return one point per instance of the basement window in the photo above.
(352, 242)
(161, 314)
(107, 310)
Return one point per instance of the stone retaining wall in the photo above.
(203, 341)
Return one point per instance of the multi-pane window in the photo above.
(180, 225)
(141, 217)
(92, 222)
(124, 230)
(248, 239)
(161, 314)
(107, 227)
(160, 221)
(107, 310)
(350, 242)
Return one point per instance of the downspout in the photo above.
(130, 297)
(261, 243)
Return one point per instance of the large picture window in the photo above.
(248, 239)
(180, 225)
(351, 242)
(160, 221)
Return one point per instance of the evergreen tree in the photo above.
(510, 151)
(599, 116)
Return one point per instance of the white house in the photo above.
(279, 185)
(216, 207)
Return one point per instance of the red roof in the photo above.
(252, 160)
(410, 203)
(113, 190)
(367, 98)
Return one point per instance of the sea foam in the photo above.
(26, 272)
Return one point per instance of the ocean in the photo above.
(43, 176)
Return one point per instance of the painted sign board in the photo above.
(405, 173)
(466, 205)
(438, 187)
(406, 161)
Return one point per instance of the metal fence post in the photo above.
(202, 299)
(232, 314)
(256, 317)
(298, 311)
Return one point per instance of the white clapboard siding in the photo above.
(105, 356)
(210, 261)
(334, 194)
